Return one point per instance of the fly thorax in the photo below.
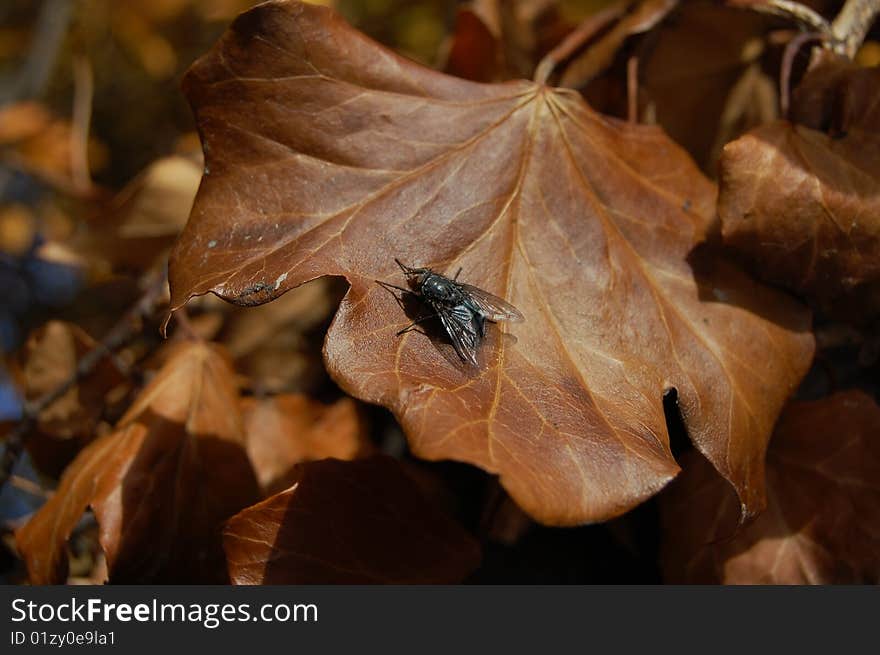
(438, 289)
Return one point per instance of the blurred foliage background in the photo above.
(136, 51)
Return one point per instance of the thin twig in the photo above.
(28, 486)
(45, 44)
(794, 11)
(83, 89)
(852, 25)
(119, 335)
(788, 55)
(632, 89)
(844, 36)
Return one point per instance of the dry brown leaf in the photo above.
(158, 203)
(17, 230)
(142, 221)
(821, 523)
(474, 49)
(357, 522)
(802, 206)
(50, 359)
(289, 429)
(696, 61)
(327, 154)
(161, 485)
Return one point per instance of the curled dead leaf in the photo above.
(49, 360)
(160, 486)
(698, 72)
(357, 522)
(802, 206)
(328, 155)
(821, 523)
(691, 71)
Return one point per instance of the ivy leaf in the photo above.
(327, 154)
(821, 523)
(799, 201)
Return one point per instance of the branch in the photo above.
(794, 11)
(844, 36)
(852, 25)
(83, 89)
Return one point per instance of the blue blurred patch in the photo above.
(16, 503)
(10, 401)
(52, 284)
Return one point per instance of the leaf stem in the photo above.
(83, 90)
(788, 55)
(632, 89)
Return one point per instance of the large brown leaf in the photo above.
(822, 524)
(359, 522)
(803, 206)
(327, 154)
(160, 486)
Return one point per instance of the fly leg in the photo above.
(388, 285)
(414, 323)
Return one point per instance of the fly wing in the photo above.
(492, 307)
(459, 324)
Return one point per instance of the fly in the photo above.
(463, 309)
